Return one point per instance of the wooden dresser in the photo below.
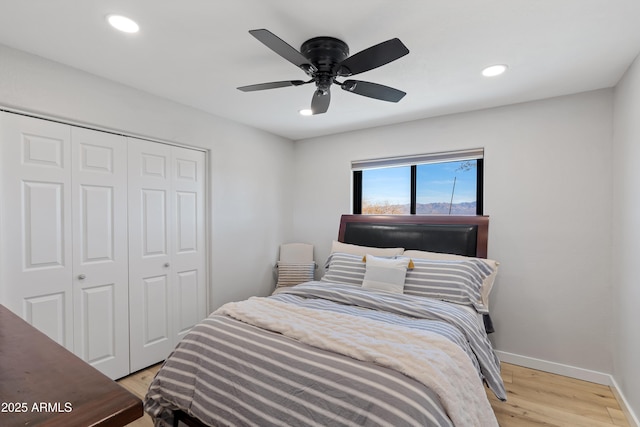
(42, 383)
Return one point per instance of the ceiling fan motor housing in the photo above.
(326, 53)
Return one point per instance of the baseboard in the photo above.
(573, 372)
(555, 368)
(622, 401)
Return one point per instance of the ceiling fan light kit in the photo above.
(324, 59)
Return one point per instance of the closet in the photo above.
(102, 240)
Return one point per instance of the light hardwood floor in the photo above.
(534, 398)
(537, 398)
(138, 383)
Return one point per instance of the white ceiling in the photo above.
(197, 52)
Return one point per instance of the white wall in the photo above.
(626, 235)
(547, 190)
(250, 169)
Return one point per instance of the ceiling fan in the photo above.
(324, 59)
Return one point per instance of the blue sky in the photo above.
(435, 183)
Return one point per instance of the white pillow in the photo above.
(487, 283)
(363, 250)
(385, 274)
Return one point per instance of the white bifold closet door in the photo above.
(102, 240)
(64, 236)
(100, 253)
(36, 224)
(167, 266)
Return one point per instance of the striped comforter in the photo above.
(229, 372)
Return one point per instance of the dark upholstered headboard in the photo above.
(461, 235)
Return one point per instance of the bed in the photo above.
(392, 334)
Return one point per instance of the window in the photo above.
(441, 183)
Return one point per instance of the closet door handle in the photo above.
(82, 276)
(166, 264)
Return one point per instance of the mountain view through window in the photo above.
(445, 188)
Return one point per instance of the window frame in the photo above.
(414, 161)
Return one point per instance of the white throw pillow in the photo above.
(385, 274)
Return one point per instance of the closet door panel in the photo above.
(97, 231)
(154, 222)
(35, 215)
(100, 250)
(43, 222)
(98, 326)
(187, 222)
(156, 307)
(188, 251)
(150, 294)
(187, 289)
(47, 313)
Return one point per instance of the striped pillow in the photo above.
(487, 283)
(344, 268)
(290, 274)
(449, 280)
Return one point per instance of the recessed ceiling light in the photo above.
(306, 112)
(494, 70)
(123, 23)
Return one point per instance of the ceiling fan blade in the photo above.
(373, 90)
(271, 85)
(373, 57)
(320, 101)
(283, 49)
